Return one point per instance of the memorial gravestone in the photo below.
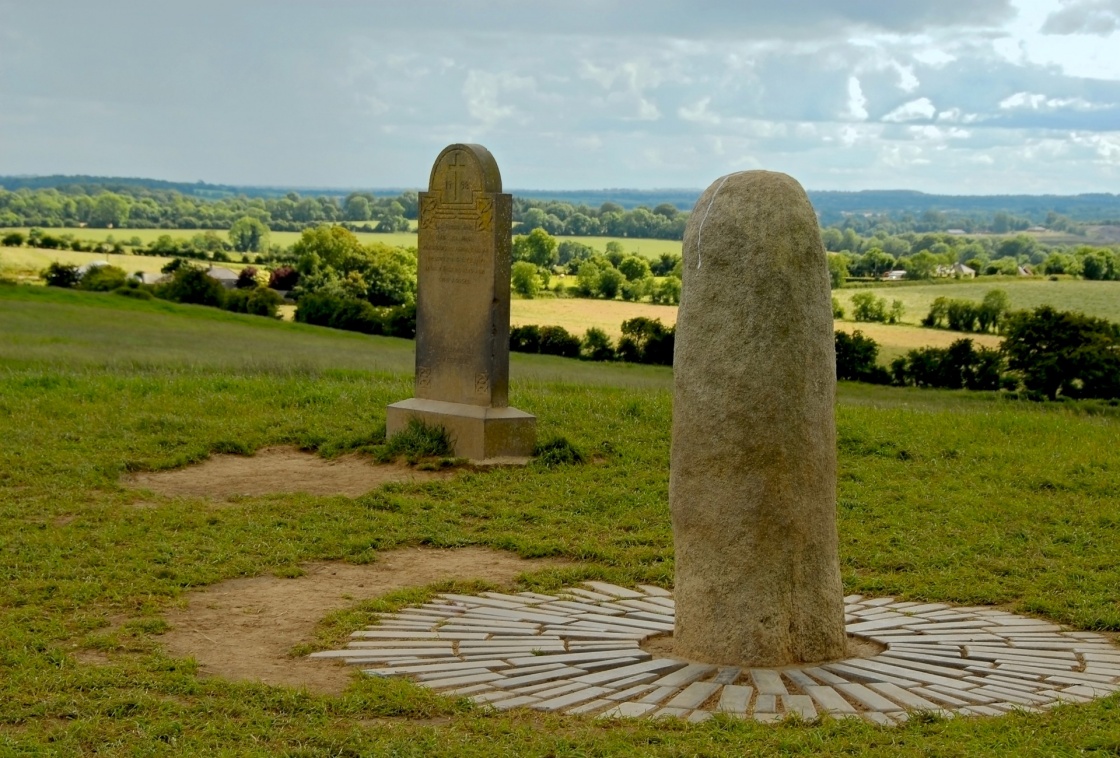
(752, 485)
(462, 312)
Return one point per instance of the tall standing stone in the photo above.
(752, 485)
(462, 311)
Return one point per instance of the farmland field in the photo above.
(28, 261)
(648, 248)
(943, 497)
(577, 315)
(1100, 299)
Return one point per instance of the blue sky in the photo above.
(953, 96)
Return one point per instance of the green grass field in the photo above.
(955, 497)
(649, 248)
(1100, 299)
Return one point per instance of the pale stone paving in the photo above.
(579, 652)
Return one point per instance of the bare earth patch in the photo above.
(278, 469)
(243, 629)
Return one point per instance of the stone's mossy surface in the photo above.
(462, 311)
(752, 485)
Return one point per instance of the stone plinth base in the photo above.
(478, 433)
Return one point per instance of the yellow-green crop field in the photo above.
(1101, 299)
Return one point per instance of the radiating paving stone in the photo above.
(768, 682)
(694, 695)
(735, 699)
(802, 705)
(577, 651)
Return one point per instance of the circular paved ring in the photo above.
(578, 652)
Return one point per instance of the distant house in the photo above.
(1037, 229)
(958, 270)
(957, 232)
(1025, 271)
(91, 265)
(227, 277)
(894, 276)
(150, 277)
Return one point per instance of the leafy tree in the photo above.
(109, 211)
(856, 356)
(646, 341)
(634, 268)
(538, 247)
(615, 253)
(391, 273)
(523, 277)
(247, 278)
(837, 309)
(248, 234)
(597, 345)
(867, 307)
(283, 278)
(921, 265)
(610, 283)
(556, 340)
(668, 291)
(190, 284)
(525, 339)
(357, 208)
(959, 366)
(1064, 353)
(570, 253)
(587, 279)
(837, 270)
(12, 239)
(61, 275)
(995, 306)
(103, 278)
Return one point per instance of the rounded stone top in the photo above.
(475, 163)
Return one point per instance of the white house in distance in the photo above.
(957, 270)
(894, 276)
(227, 277)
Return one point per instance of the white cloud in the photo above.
(1099, 17)
(915, 110)
(857, 103)
(481, 91)
(1035, 102)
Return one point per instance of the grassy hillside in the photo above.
(1095, 298)
(942, 497)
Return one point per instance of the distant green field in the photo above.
(1101, 299)
(23, 261)
(146, 236)
(648, 248)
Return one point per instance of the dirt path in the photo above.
(277, 469)
(243, 629)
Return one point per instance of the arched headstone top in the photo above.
(461, 170)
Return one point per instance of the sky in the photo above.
(943, 96)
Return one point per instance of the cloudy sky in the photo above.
(953, 96)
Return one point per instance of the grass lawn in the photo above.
(943, 496)
(26, 261)
(1094, 298)
(577, 315)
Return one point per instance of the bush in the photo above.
(61, 275)
(646, 341)
(634, 268)
(1061, 353)
(247, 278)
(597, 345)
(136, 293)
(856, 356)
(258, 302)
(192, 285)
(837, 309)
(867, 307)
(283, 278)
(525, 339)
(609, 284)
(12, 239)
(668, 292)
(556, 340)
(959, 366)
(523, 277)
(103, 279)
